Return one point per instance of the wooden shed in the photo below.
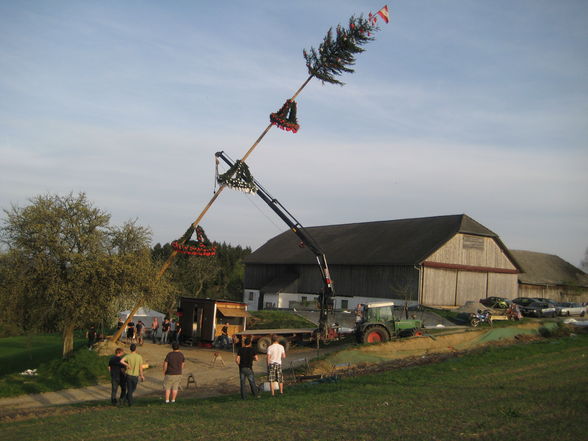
(203, 319)
(549, 276)
(442, 260)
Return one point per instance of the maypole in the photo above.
(333, 57)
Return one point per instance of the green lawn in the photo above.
(30, 351)
(43, 352)
(535, 391)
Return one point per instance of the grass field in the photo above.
(30, 351)
(43, 352)
(533, 391)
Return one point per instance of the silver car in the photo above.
(570, 308)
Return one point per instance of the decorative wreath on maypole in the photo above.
(199, 247)
(238, 177)
(285, 118)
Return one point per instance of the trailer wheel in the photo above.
(375, 334)
(262, 344)
(284, 342)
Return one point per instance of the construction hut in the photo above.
(203, 319)
(549, 276)
(442, 260)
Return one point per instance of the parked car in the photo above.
(496, 302)
(524, 301)
(570, 308)
(538, 309)
(551, 302)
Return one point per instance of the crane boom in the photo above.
(326, 297)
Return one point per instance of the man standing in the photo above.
(178, 332)
(245, 358)
(117, 376)
(172, 371)
(134, 364)
(139, 332)
(165, 331)
(154, 328)
(275, 354)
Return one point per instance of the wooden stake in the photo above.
(173, 254)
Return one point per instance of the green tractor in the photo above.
(376, 323)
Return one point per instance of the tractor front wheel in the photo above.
(375, 335)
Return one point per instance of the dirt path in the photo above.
(211, 380)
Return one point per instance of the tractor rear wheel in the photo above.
(375, 334)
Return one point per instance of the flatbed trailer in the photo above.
(262, 338)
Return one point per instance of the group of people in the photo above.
(134, 333)
(171, 331)
(127, 369)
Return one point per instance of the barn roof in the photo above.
(548, 269)
(392, 242)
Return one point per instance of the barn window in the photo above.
(474, 242)
(250, 295)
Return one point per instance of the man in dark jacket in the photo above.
(245, 358)
(117, 376)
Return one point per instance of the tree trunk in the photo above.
(68, 340)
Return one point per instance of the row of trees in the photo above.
(65, 267)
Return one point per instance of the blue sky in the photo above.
(457, 107)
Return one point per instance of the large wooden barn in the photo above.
(443, 260)
(549, 276)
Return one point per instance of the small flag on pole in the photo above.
(384, 14)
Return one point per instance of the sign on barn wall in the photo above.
(475, 242)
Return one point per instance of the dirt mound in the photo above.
(425, 345)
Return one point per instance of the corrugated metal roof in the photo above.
(392, 242)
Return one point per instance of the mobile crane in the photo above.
(328, 291)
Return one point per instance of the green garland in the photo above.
(334, 56)
(238, 177)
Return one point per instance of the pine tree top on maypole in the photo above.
(337, 52)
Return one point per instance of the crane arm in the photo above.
(326, 297)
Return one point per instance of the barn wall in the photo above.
(465, 249)
(438, 286)
(471, 286)
(503, 285)
(452, 287)
(557, 293)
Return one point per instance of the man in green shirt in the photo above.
(134, 364)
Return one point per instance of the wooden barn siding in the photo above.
(470, 286)
(438, 286)
(453, 251)
(350, 280)
(557, 293)
(503, 285)
(451, 287)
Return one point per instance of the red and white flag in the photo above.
(384, 14)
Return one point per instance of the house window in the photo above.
(344, 304)
(250, 295)
(304, 299)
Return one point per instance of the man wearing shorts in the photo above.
(172, 371)
(275, 354)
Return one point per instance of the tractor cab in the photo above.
(378, 324)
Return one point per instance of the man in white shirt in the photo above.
(275, 354)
